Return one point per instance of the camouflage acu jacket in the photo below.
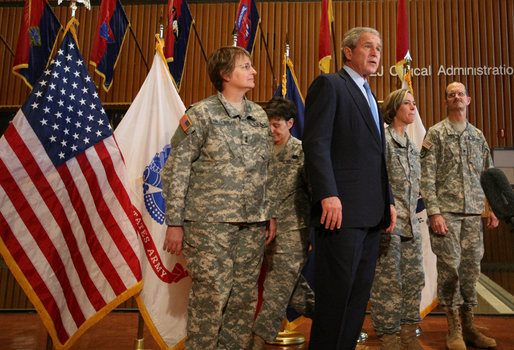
(451, 164)
(403, 169)
(292, 191)
(219, 166)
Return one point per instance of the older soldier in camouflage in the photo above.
(399, 278)
(286, 255)
(215, 184)
(453, 156)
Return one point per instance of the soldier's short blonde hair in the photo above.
(392, 103)
(223, 61)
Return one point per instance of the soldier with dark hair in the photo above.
(216, 188)
(286, 254)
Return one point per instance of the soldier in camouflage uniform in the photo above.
(453, 156)
(215, 184)
(286, 255)
(399, 278)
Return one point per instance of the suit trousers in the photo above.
(345, 262)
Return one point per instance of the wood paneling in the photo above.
(444, 34)
(498, 261)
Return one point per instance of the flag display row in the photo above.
(81, 209)
(40, 28)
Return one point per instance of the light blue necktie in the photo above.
(372, 104)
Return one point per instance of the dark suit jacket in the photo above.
(344, 152)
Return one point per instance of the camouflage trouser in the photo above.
(302, 299)
(459, 253)
(224, 262)
(285, 257)
(396, 291)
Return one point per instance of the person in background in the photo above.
(399, 278)
(453, 156)
(286, 255)
(215, 184)
(344, 149)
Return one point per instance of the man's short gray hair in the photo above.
(352, 37)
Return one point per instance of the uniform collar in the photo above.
(232, 111)
(402, 141)
(451, 131)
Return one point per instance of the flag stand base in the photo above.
(363, 336)
(139, 344)
(286, 337)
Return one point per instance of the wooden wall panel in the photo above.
(498, 261)
(443, 33)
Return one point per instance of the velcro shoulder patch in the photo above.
(185, 123)
(427, 144)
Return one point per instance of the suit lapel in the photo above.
(363, 105)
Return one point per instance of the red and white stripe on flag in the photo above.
(66, 223)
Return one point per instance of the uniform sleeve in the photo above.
(185, 148)
(272, 184)
(486, 155)
(428, 160)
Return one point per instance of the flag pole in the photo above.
(49, 343)
(161, 27)
(139, 48)
(139, 343)
(200, 42)
(269, 58)
(234, 35)
(7, 45)
(287, 47)
(334, 45)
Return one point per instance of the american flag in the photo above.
(66, 225)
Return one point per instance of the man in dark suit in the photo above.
(352, 203)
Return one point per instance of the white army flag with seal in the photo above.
(144, 136)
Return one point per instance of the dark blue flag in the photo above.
(38, 36)
(111, 30)
(180, 21)
(289, 89)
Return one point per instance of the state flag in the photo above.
(111, 30)
(247, 22)
(36, 41)
(180, 22)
